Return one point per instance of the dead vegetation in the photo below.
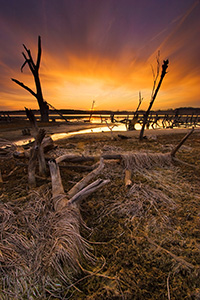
(140, 241)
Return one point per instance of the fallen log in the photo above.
(85, 180)
(74, 158)
(88, 190)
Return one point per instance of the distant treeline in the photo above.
(180, 111)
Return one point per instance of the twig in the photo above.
(177, 258)
(168, 290)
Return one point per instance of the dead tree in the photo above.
(154, 94)
(34, 68)
(134, 120)
(37, 151)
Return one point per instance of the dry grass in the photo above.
(40, 249)
(146, 238)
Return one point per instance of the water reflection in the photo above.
(58, 136)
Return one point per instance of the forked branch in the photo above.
(85, 180)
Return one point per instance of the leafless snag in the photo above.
(39, 136)
(34, 68)
(36, 152)
(134, 120)
(154, 93)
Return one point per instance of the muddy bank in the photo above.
(13, 131)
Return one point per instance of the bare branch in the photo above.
(23, 65)
(30, 63)
(24, 86)
(85, 180)
(88, 190)
(39, 53)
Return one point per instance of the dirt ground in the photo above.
(145, 238)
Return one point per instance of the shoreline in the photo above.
(14, 133)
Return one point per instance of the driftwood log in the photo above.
(78, 192)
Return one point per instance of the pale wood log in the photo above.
(127, 178)
(173, 152)
(79, 168)
(88, 190)
(1, 179)
(58, 193)
(85, 180)
(74, 158)
(82, 158)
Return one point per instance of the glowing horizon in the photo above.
(102, 52)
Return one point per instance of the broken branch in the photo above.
(173, 152)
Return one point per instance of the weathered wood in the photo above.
(88, 190)
(80, 168)
(47, 144)
(85, 180)
(173, 152)
(74, 158)
(58, 194)
(36, 152)
(41, 158)
(1, 179)
(127, 178)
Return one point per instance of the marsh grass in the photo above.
(146, 238)
(40, 250)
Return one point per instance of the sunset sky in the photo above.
(101, 50)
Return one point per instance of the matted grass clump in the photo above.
(146, 238)
(40, 249)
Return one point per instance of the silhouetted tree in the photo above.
(34, 68)
(154, 92)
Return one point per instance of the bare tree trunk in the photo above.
(36, 152)
(39, 136)
(164, 68)
(34, 68)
